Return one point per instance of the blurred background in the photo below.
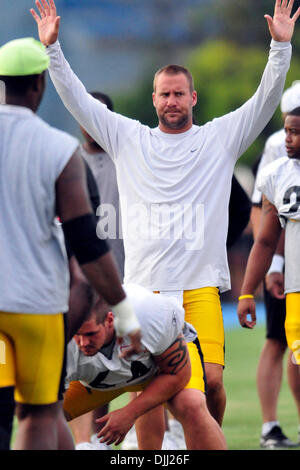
(115, 46)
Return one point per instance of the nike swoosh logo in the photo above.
(194, 150)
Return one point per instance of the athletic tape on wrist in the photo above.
(276, 265)
(126, 321)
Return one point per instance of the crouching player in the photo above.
(98, 372)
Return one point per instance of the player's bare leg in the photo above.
(151, 439)
(201, 430)
(216, 396)
(81, 427)
(293, 374)
(38, 427)
(65, 438)
(269, 377)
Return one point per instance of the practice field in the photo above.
(242, 422)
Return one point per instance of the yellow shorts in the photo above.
(79, 399)
(203, 310)
(32, 356)
(292, 324)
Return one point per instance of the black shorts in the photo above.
(275, 317)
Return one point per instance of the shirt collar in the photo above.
(12, 109)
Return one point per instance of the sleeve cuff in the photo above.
(280, 45)
(53, 47)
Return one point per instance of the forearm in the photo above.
(255, 220)
(85, 109)
(263, 104)
(257, 266)
(103, 275)
(159, 391)
(240, 128)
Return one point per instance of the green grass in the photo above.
(242, 421)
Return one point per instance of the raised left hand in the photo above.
(281, 26)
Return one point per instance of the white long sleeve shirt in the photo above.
(174, 188)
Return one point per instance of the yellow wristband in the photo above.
(249, 296)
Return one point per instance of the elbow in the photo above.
(266, 244)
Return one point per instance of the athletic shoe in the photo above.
(100, 445)
(130, 441)
(276, 439)
(177, 432)
(169, 442)
(85, 446)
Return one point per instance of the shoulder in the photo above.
(55, 136)
(269, 173)
(274, 167)
(276, 139)
(274, 148)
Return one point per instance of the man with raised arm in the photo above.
(174, 182)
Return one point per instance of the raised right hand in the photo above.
(48, 22)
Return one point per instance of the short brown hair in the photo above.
(99, 310)
(173, 69)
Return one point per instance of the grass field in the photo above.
(242, 422)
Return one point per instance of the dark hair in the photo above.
(99, 310)
(19, 85)
(104, 98)
(175, 70)
(294, 112)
